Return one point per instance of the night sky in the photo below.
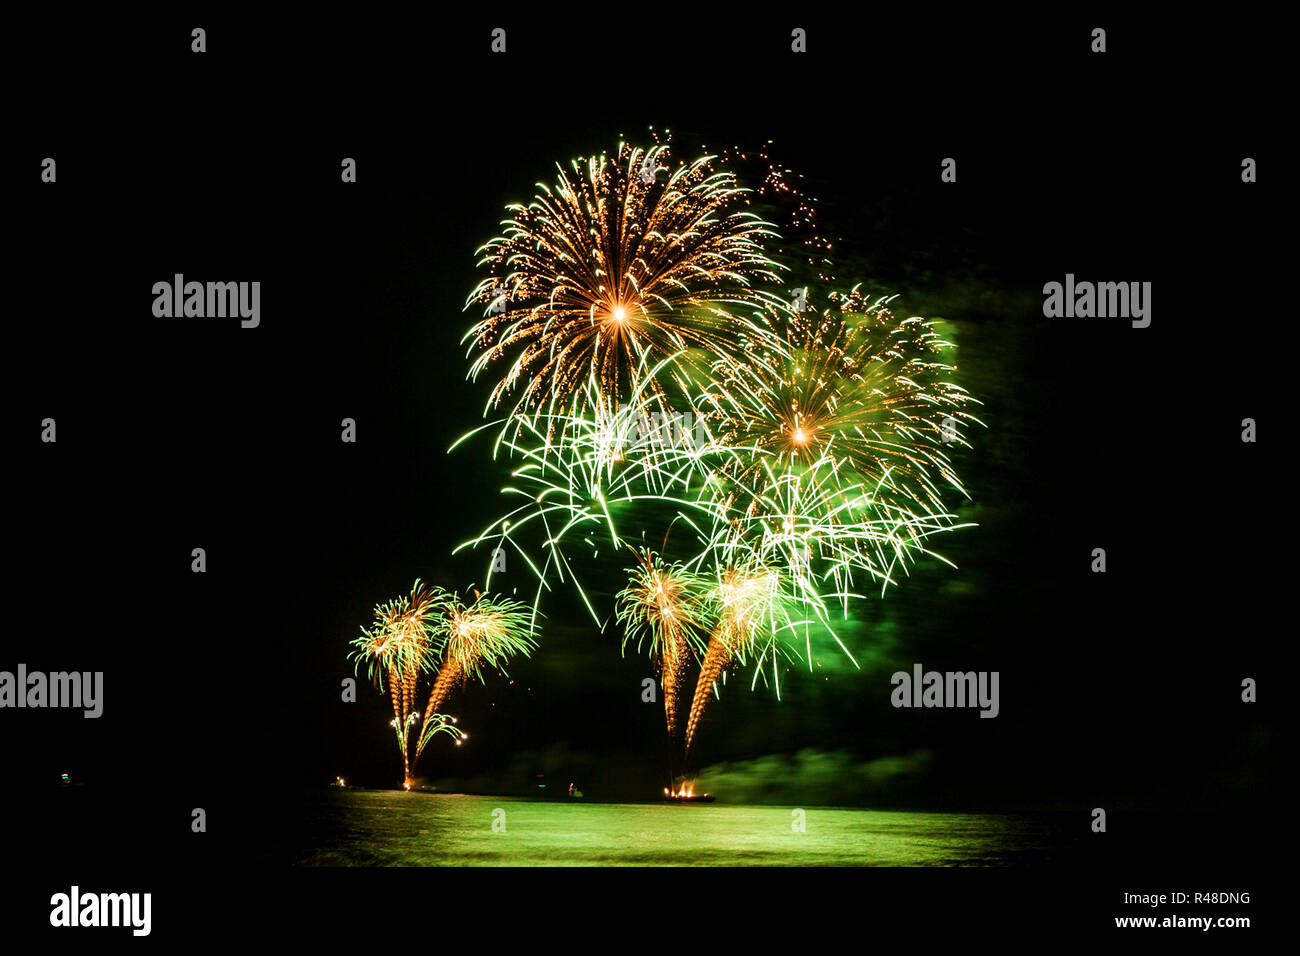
(1119, 690)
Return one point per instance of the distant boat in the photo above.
(686, 795)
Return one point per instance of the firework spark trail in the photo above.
(484, 633)
(662, 607)
(716, 658)
(792, 209)
(616, 267)
(408, 689)
(860, 386)
(436, 724)
(401, 645)
(395, 693)
(752, 607)
(400, 722)
(674, 673)
(450, 676)
(821, 525)
(582, 478)
(398, 645)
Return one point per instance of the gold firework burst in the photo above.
(861, 389)
(749, 599)
(663, 606)
(621, 264)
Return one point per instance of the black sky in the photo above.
(1120, 688)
